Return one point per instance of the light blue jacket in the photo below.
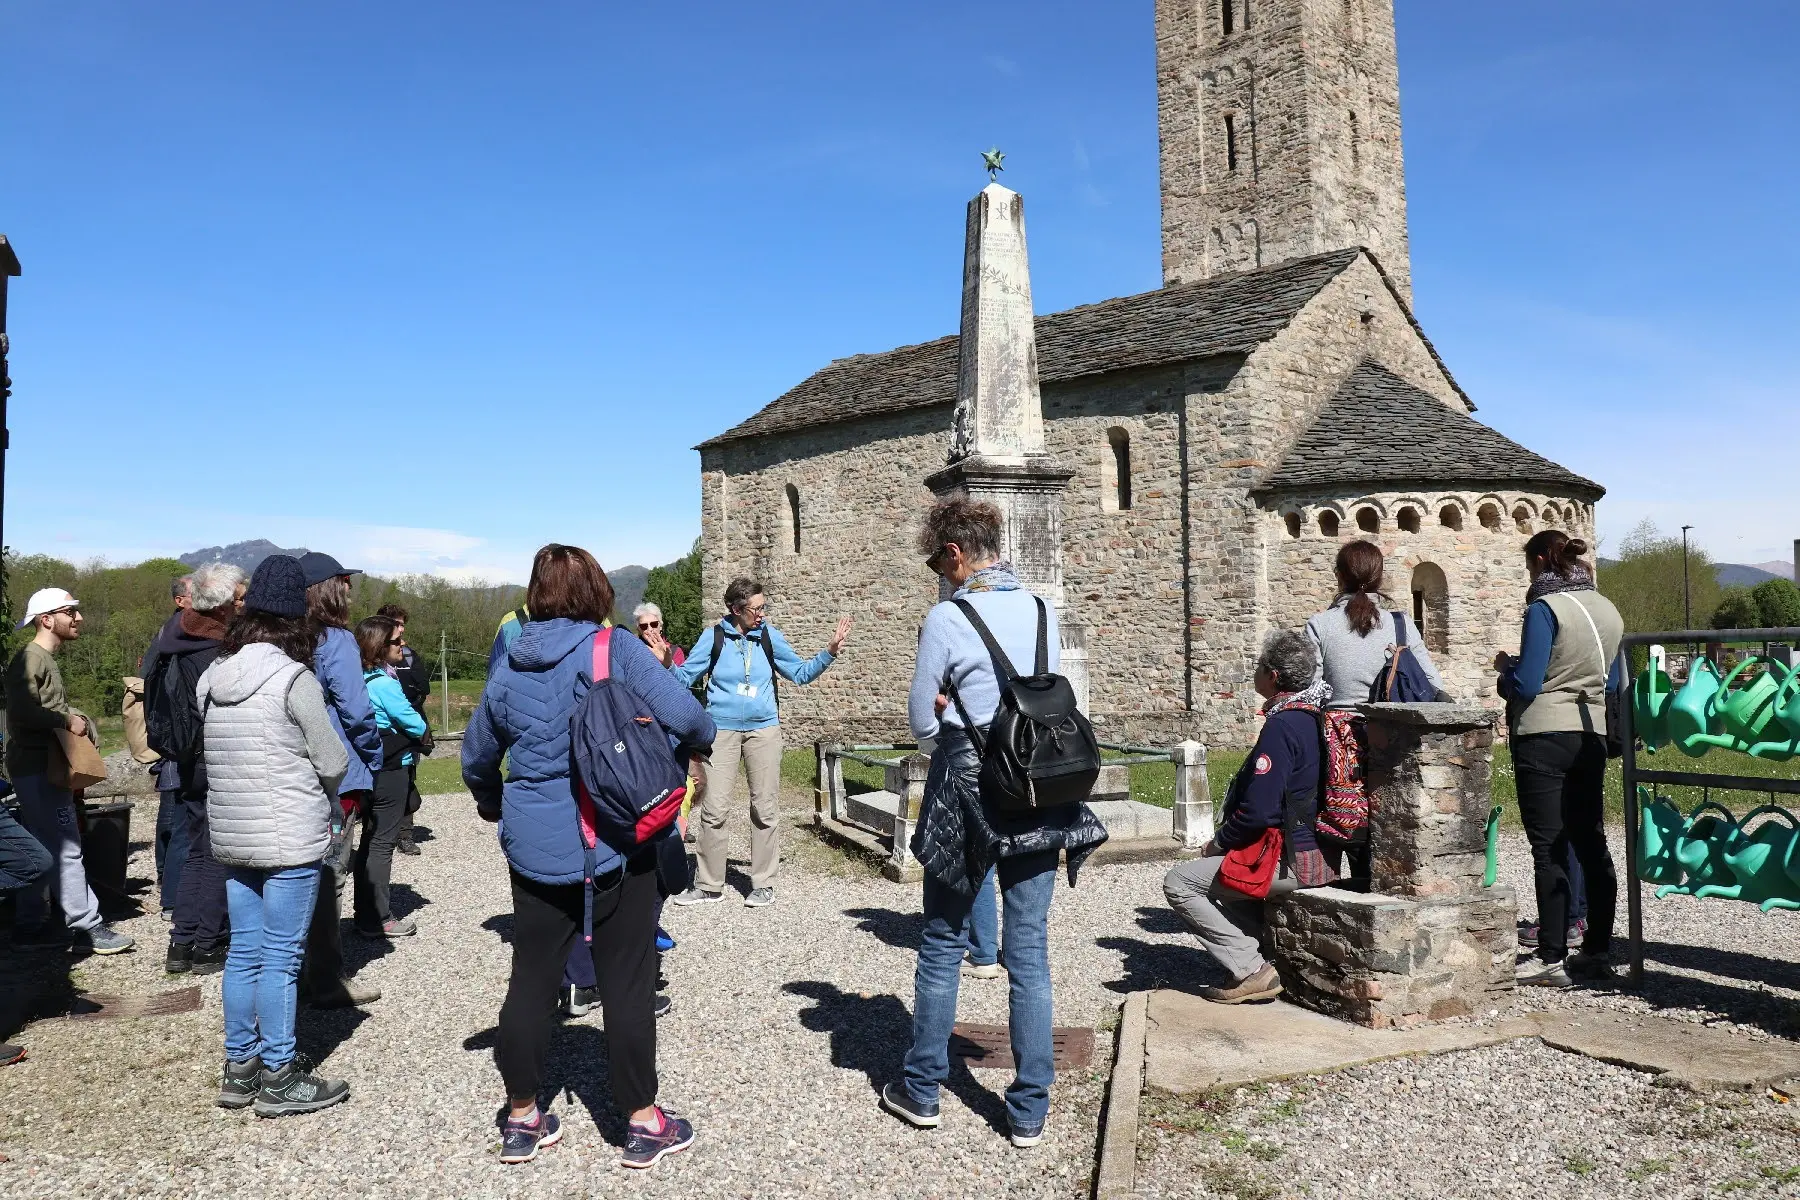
(950, 651)
(392, 709)
(743, 669)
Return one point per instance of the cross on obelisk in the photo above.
(997, 450)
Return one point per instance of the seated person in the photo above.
(1277, 787)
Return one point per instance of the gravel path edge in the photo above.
(1117, 1176)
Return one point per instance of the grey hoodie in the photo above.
(273, 760)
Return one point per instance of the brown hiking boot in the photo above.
(1263, 984)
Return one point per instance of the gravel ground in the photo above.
(788, 1018)
(1521, 1119)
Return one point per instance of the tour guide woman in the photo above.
(1276, 788)
(273, 764)
(524, 712)
(960, 836)
(1568, 661)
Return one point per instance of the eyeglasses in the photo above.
(643, 625)
(758, 611)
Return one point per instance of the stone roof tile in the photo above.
(1381, 431)
(1229, 314)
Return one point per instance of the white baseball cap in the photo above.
(47, 600)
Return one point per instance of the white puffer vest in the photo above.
(265, 806)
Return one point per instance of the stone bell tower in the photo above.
(1280, 132)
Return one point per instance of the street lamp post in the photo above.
(9, 266)
(1687, 603)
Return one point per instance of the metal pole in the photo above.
(9, 266)
(444, 675)
(1687, 604)
(1634, 899)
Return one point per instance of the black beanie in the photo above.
(278, 587)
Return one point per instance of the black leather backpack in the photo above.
(1040, 751)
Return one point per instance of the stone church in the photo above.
(1227, 432)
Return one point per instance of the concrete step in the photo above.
(1114, 784)
(873, 810)
(1133, 819)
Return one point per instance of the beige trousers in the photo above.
(760, 752)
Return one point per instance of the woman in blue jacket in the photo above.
(378, 639)
(1276, 788)
(338, 665)
(741, 657)
(524, 717)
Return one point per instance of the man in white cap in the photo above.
(36, 707)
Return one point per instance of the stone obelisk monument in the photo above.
(997, 449)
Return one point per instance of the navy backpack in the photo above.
(628, 783)
(1403, 680)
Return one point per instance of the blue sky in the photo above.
(429, 284)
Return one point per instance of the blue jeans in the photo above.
(1026, 884)
(270, 913)
(984, 925)
(23, 859)
(171, 845)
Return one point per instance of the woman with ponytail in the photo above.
(1353, 637)
(1568, 661)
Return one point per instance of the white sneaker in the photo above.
(695, 895)
(762, 897)
(1535, 972)
(975, 970)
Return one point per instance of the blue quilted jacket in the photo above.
(524, 717)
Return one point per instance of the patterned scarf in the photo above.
(1310, 699)
(1579, 579)
(996, 577)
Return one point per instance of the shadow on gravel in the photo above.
(1159, 920)
(1751, 968)
(871, 1033)
(404, 901)
(901, 930)
(1150, 965)
(422, 834)
(500, 925)
(1765, 1010)
(576, 1067)
(319, 1031)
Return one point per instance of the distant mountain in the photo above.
(239, 554)
(628, 587)
(1739, 575)
(1777, 567)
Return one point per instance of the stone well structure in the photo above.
(1428, 941)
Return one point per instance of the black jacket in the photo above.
(414, 679)
(196, 654)
(959, 835)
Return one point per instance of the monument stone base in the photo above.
(1393, 962)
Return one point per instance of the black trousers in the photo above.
(382, 816)
(1358, 854)
(322, 970)
(546, 924)
(200, 917)
(1562, 791)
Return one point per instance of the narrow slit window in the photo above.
(1355, 141)
(1120, 441)
(1231, 141)
(793, 504)
(1225, 16)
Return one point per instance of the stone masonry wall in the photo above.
(1280, 135)
(1427, 941)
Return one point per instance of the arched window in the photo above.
(1450, 516)
(1231, 154)
(1490, 517)
(1409, 519)
(793, 517)
(1368, 520)
(1328, 523)
(1293, 524)
(1431, 606)
(1522, 519)
(1120, 442)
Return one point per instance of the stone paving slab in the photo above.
(1193, 1045)
(1680, 1054)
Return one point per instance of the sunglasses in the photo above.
(399, 641)
(643, 625)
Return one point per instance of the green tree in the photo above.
(1777, 603)
(1645, 582)
(676, 590)
(1736, 610)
